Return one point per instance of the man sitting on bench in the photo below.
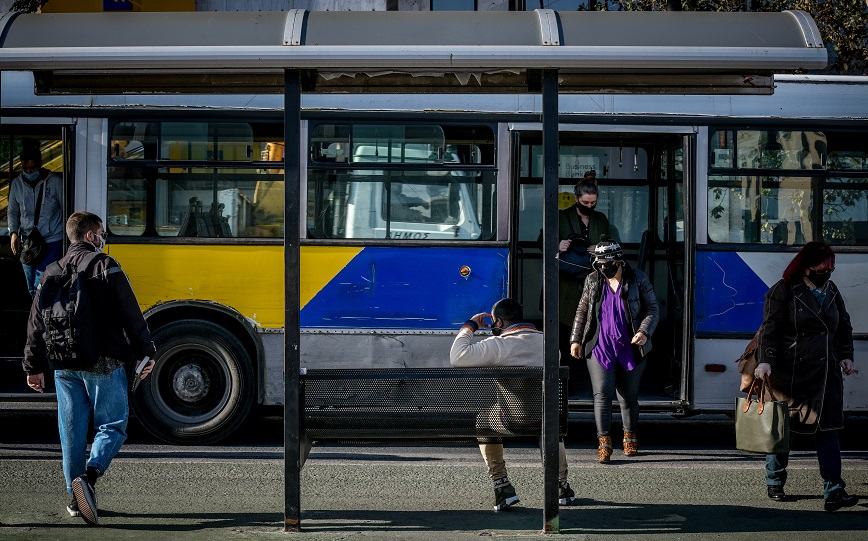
(514, 344)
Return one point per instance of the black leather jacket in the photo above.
(638, 296)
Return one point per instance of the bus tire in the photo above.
(202, 386)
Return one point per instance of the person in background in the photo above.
(805, 349)
(36, 186)
(612, 329)
(94, 381)
(578, 223)
(514, 344)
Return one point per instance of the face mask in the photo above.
(100, 243)
(31, 176)
(817, 278)
(609, 272)
(495, 330)
(583, 210)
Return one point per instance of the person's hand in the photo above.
(13, 241)
(592, 248)
(639, 339)
(147, 369)
(763, 371)
(564, 245)
(479, 319)
(848, 366)
(576, 350)
(36, 382)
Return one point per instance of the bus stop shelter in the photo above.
(299, 52)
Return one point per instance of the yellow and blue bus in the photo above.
(419, 211)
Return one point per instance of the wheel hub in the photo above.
(191, 383)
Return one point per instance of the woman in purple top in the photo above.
(612, 330)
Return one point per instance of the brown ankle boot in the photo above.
(631, 444)
(604, 451)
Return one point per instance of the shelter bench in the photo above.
(426, 403)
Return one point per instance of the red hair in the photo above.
(812, 254)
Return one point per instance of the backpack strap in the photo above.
(87, 260)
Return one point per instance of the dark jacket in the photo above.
(637, 293)
(805, 343)
(570, 289)
(118, 317)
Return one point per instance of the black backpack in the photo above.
(66, 302)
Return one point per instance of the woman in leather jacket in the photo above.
(805, 349)
(616, 316)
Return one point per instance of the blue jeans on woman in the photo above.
(79, 393)
(828, 455)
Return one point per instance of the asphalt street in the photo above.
(688, 483)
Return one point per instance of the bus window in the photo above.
(768, 149)
(616, 162)
(210, 141)
(425, 205)
(377, 143)
(196, 202)
(845, 194)
(178, 179)
(626, 207)
(134, 141)
(407, 182)
(845, 212)
(761, 210)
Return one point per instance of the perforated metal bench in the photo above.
(426, 403)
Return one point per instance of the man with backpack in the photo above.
(86, 325)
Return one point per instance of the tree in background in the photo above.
(842, 23)
(28, 6)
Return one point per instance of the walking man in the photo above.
(514, 344)
(89, 359)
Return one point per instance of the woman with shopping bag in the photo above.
(804, 350)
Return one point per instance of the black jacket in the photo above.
(118, 318)
(637, 293)
(805, 342)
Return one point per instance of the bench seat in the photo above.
(426, 403)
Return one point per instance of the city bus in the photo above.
(420, 210)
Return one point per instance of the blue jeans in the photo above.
(620, 381)
(828, 455)
(33, 273)
(79, 393)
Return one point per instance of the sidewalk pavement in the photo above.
(424, 493)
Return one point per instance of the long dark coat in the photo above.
(805, 343)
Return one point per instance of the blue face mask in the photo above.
(31, 176)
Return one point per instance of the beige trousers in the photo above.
(492, 453)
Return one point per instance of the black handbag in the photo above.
(575, 262)
(32, 245)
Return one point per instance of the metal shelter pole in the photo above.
(550, 427)
(292, 361)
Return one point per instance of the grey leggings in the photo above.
(605, 385)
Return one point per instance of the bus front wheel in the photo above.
(202, 386)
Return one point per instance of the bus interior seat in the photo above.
(219, 223)
(646, 248)
(197, 223)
